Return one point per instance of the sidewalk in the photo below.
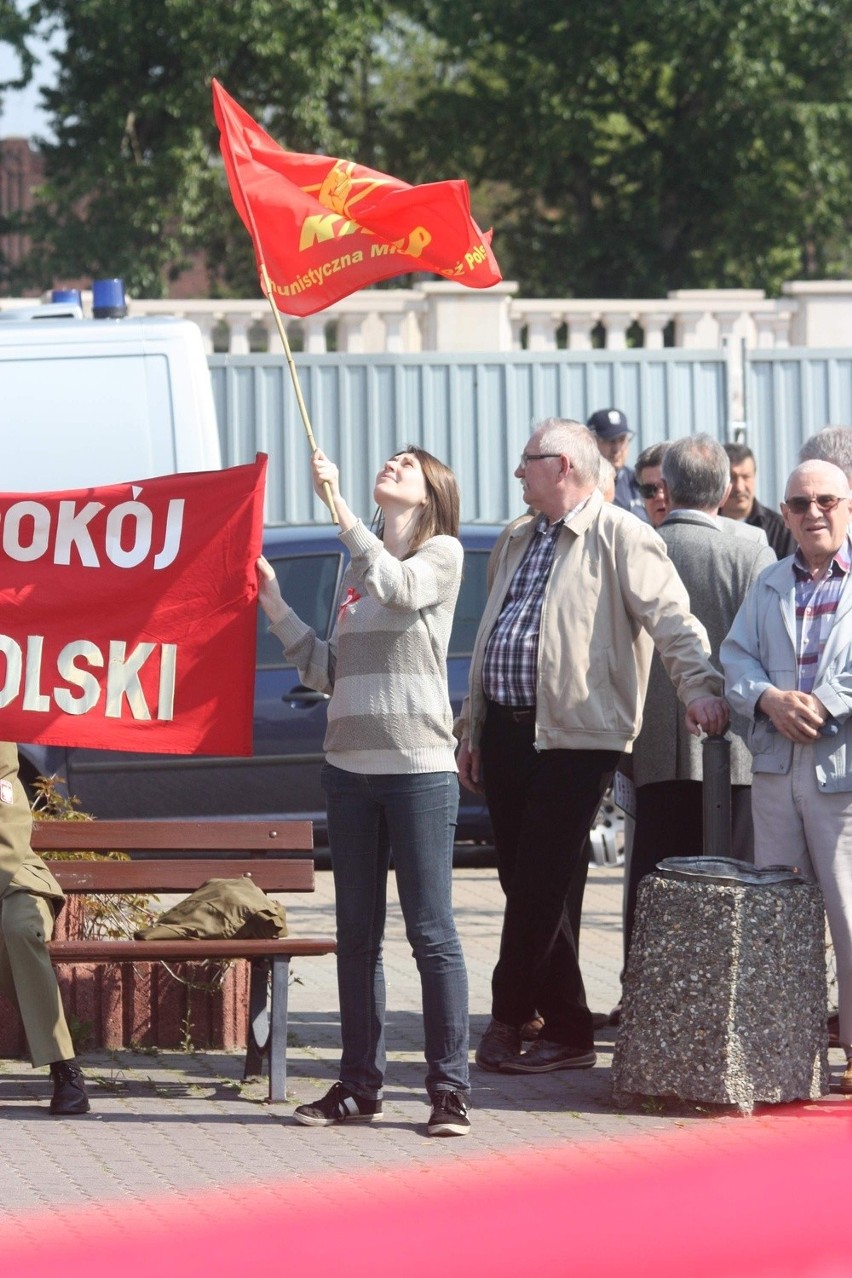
(176, 1123)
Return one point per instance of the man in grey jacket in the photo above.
(788, 670)
(558, 678)
(717, 567)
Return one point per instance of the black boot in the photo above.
(69, 1091)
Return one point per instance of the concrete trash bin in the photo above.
(725, 991)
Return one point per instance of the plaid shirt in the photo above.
(816, 604)
(511, 655)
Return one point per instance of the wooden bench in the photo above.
(170, 858)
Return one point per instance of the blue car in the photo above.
(282, 777)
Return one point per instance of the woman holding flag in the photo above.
(390, 774)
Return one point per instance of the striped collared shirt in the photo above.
(511, 654)
(816, 604)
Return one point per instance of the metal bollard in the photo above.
(717, 796)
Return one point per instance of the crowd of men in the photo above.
(616, 633)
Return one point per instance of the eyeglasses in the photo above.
(526, 458)
(650, 490)
(801, 505)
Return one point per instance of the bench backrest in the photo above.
(160, 877)
(232, 835)
(248, 847)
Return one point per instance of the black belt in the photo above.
(518, 714)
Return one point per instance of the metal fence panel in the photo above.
(472, 411)
(791, 394)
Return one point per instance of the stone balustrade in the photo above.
(440, 316)
(688, 318)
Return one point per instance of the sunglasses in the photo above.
(801, 505)
(650, 490)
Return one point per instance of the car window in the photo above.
(309, 583)
(471, 603)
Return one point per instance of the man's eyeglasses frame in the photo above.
(526, 458)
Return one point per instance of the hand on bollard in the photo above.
(707, 714)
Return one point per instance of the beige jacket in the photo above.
(611, 582)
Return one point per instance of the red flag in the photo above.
(128, 613)
(323, 228)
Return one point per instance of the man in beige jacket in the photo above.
(30, 899)
(557, 683)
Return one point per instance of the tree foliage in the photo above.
(133, 179)
(15, 28)
(622, 148)
(633, 146)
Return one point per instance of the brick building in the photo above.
(20, 172)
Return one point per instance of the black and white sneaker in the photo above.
(339, 1105)
(449, 1115)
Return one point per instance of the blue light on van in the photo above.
(72, 296)
(108, 300)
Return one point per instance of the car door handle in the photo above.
(307, 696)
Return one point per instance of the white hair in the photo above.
(832, 444)
(815, 466)
(562, 435)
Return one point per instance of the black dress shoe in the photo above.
(544, 1056)
(69, 1090)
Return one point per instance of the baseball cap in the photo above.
(608, 423)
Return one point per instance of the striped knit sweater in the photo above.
(386, 661)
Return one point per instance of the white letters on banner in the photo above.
(123, 687)
(126, 537)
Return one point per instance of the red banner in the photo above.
(323, 227)
(129, 613)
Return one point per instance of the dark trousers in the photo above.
(670, 822)
(541, 805)
(576, 892)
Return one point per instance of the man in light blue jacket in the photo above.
(788, 669)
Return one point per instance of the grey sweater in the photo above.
(386, 661)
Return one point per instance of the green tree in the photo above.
(133, 183)
(632, 146)
(15, 29)
(627, 147)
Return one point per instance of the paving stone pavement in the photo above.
(174, 1123)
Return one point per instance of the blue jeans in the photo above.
(415, 816)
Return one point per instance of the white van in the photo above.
(85, 402)
(101, 401)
